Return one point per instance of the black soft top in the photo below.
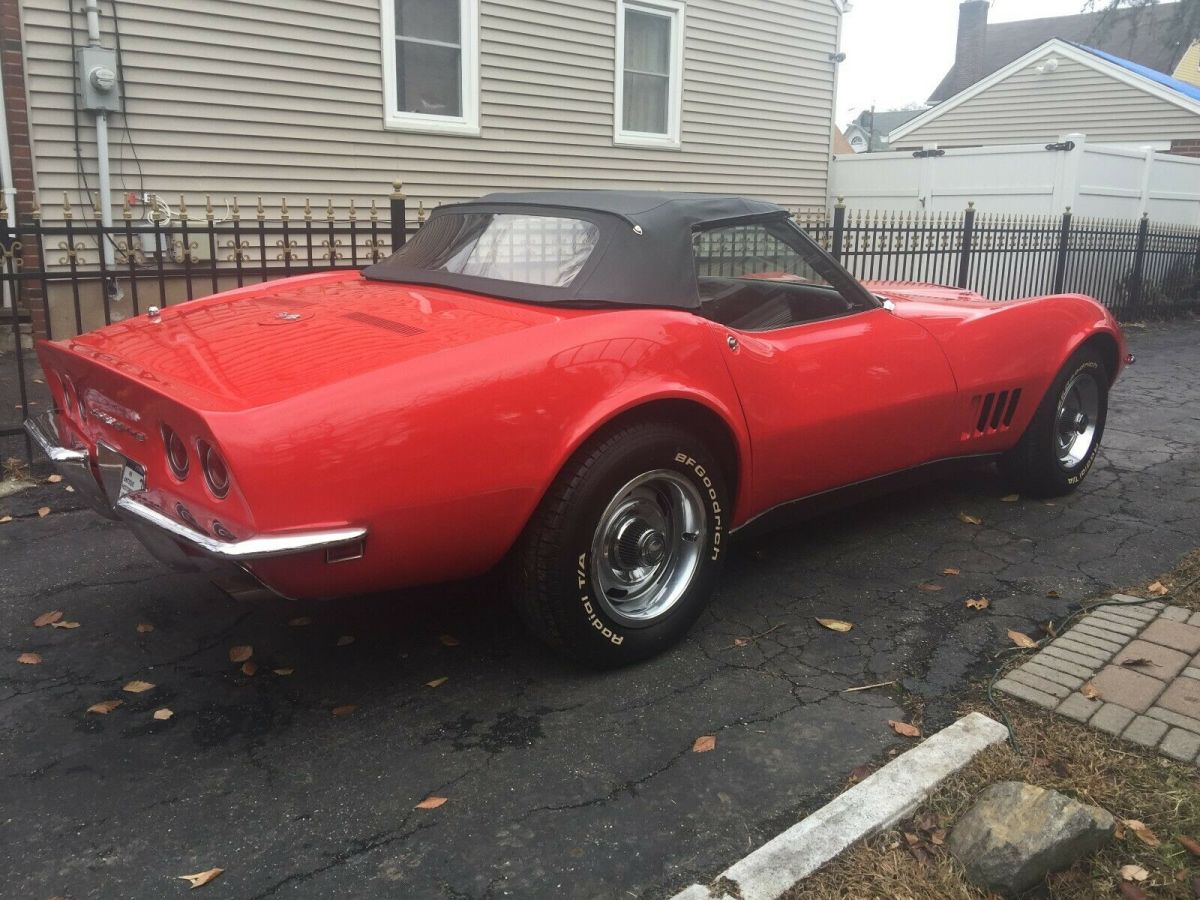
(643, 256)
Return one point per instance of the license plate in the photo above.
(133, 479)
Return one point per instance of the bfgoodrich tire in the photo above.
(1060, 445)
(622, 554)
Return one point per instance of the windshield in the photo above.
(547, 251)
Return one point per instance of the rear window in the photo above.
(548, 251)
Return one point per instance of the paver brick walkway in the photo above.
(1143, 659)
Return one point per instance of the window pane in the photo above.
(427, 79)
(432, 20)
(750, 251)
(647, 43)
(541, 250)
(645, 103)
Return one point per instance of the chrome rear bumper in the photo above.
(96, 477)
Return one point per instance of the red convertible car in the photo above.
(596, 388)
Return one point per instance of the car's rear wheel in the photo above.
(622, 555)
(1061, 443)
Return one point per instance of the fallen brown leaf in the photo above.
(104, 707)
(4, 520)
(704, 743)
(64, 624)
(345, 640)
(30, 659)
(1010, 498)
(1191, 846)
(200, 879)
(1053, 595)
(43, 511)
(835, 624)
(1090, 691)
(1119, 830)
(299, 621)
(47, 618)
(741, 642)
(344, 710)
(951, 570)
(449, 640)
(240, 653)
(287, 670)
(1137, 662)
(929, 586)
(163, 714)
(1158, 589)
(144, 628)
(431, 803)
(1020, 639)
(137, 687)
(904, 729)
(858, 773)
(54, 479)
(70, 490)
(249, 667)
(977, 603)
(1133, 873)
(937, 837)
(1048, 628)
(437, 682)
(1143, 832)
(969, 520)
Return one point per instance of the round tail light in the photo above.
(216, 473)
(176, 449)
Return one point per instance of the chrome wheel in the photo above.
(646, 549)
(1075, 421)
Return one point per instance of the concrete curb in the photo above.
(875, 803)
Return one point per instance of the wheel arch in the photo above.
(1106, 345)
(692, 414)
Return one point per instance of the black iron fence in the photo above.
(64, 274)
(1137, 268)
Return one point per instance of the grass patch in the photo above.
(1128, 781)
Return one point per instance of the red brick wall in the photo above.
(12, 61)
(1190, 147)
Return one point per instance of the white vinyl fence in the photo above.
(1094, 180)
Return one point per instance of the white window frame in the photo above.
(468, 122)
(673, 9)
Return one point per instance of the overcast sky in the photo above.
(898, 50)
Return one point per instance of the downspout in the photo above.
(6, 184)
(6, 175)
(102, 164)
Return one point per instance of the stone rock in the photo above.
(1016, 834)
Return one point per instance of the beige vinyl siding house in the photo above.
(1051, 91)
(297, 99)
(1189, 66)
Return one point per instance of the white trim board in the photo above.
(1054, 46)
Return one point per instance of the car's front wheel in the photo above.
(1061, 443)
(622, 554)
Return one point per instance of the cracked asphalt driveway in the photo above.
(560, 782)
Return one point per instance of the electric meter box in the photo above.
(99, 87)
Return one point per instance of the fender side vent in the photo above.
(386, 324)
(995, 412)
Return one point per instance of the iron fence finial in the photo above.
(68, 213)
(352, 213)
(397, 189)
(208, 207)
(183, 213)
(235, 211)
(307, 209)
(329, 213)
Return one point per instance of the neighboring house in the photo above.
(457, 98)
(1189, 66)
(1058, 88)
(869, 132)
(1144, 36)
